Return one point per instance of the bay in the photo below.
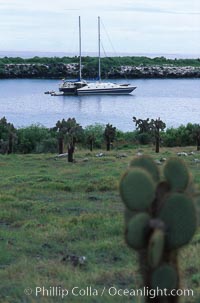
(175, 101)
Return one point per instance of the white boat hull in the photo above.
(106, 91)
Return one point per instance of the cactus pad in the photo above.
(191, 188)
(148, 164)
(164, 277)
(137, 189)
(176, 173)
(156, 248)
(179, 215)
(128, 215)
(137, 231)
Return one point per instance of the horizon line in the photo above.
(26, 54)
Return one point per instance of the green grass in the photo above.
(51, 209)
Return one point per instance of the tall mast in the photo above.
(99, 42)
(80, 76)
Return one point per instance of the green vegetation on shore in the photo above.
(111, 67)
(88, 61)
(40, 139)
(51, 210)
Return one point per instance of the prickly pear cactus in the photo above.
(132, 185)
(160, 217)
(137, 231)
(156, 248)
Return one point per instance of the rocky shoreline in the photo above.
(55, 71)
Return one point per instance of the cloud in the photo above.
(178, 7)
(161, 11)
(135, 25)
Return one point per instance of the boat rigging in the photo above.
(82, 87)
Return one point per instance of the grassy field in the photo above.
(51, 209)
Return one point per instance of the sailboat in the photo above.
(83, 87)
(70, 87)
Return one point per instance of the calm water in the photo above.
(175, 101)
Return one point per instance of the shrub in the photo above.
(49, 145)
(144, 138)
(96, 131)
(181, 136)
(30, 138)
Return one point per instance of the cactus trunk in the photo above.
(70, 152)
(60, 145)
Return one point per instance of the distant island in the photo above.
(111, 67)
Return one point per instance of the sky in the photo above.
(127, 26)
